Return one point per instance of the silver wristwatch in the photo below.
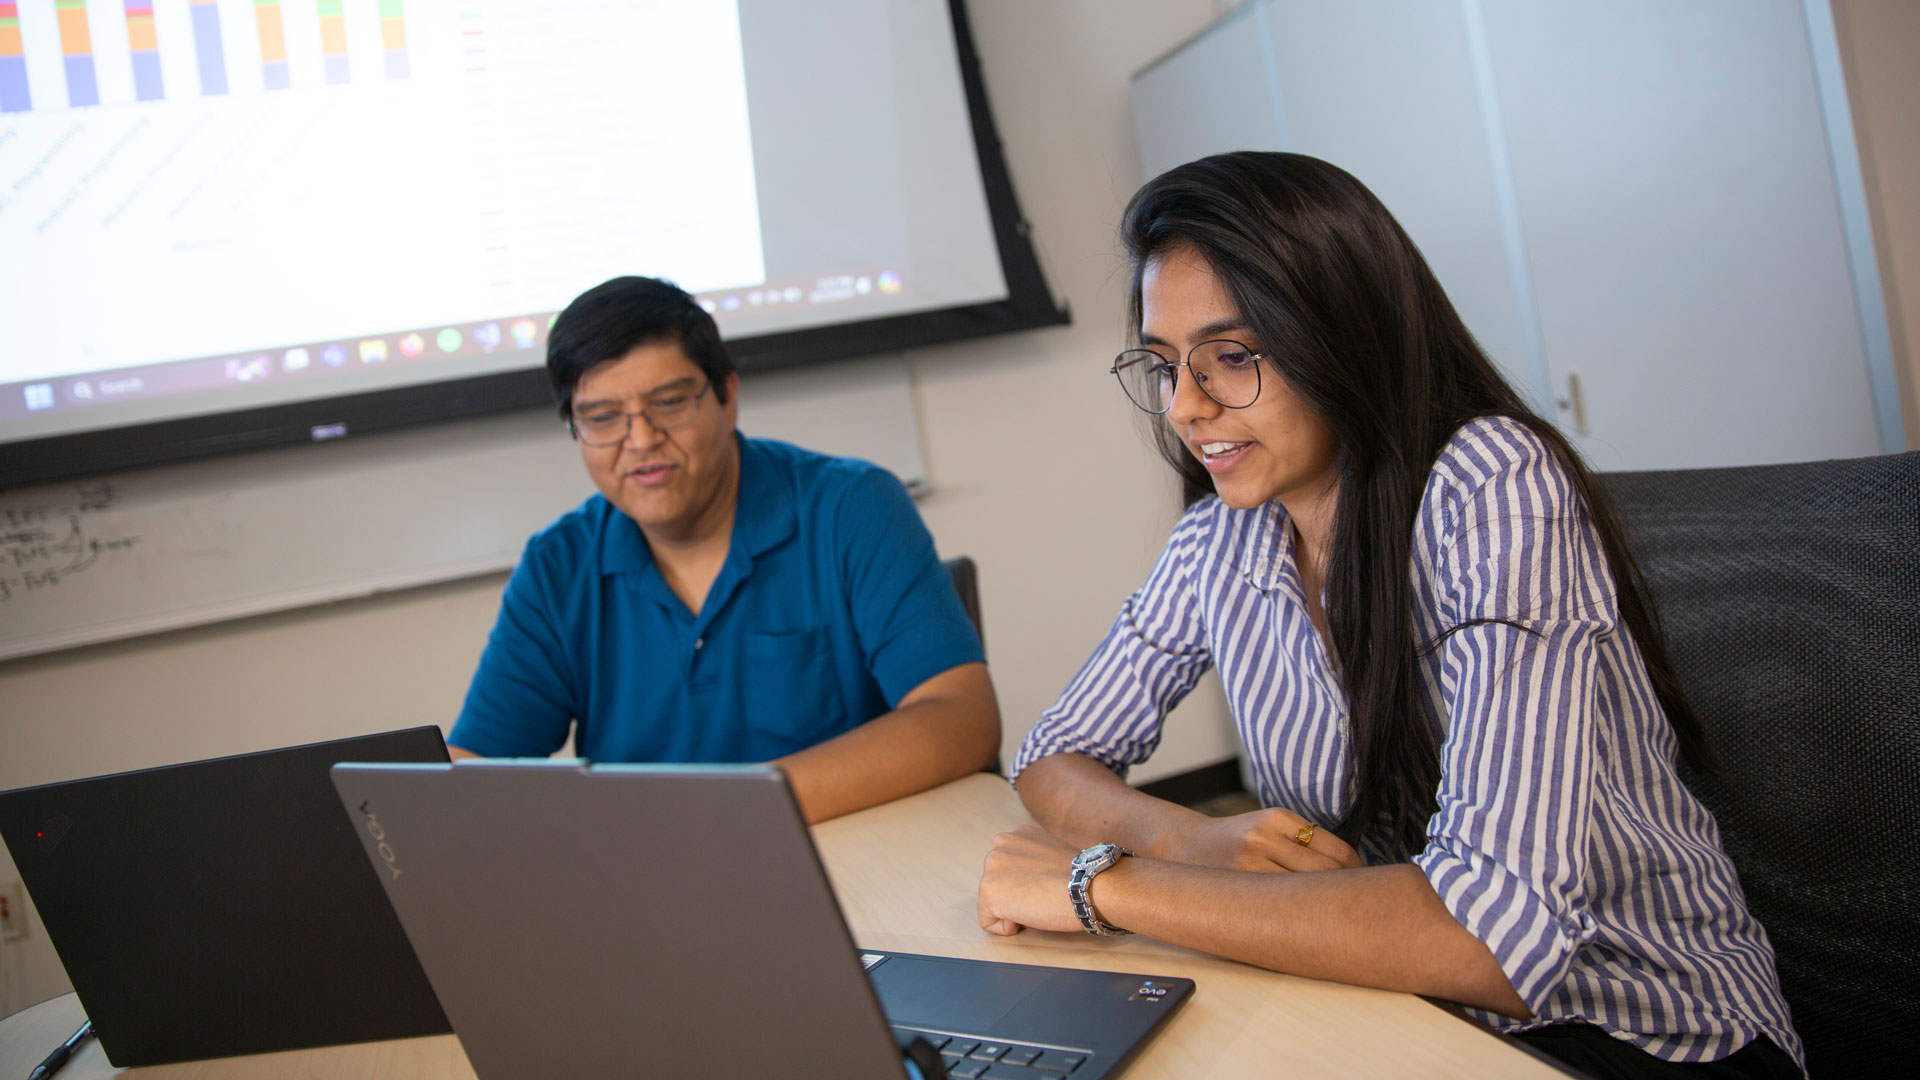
(1086, 864)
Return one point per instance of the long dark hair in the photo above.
(1355, 322)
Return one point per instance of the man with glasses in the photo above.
(724, 598)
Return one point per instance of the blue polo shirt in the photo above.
(830, 608)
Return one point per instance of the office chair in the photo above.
(966, 582)
(1790, 596)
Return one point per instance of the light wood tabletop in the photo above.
(906, 874)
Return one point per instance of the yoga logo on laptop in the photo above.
(379, 833)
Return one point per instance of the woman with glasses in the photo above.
(1454, 700)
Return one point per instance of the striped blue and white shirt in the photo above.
(1564, 838)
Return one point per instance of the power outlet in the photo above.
(13, 911)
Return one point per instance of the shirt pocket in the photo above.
(791, 693)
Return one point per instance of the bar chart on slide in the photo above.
(333, 41)
(393, 38)
(76, 53)
(273, 44)
(73, 54)
(207, 48)
(144, 43)
(15, 94)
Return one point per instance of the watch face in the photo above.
(1094, 854)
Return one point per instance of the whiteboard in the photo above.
(118, 556)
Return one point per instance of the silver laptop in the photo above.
(675, 921)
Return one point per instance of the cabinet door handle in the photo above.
(1576, 403)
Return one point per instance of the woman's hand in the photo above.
(1024, 883)
(1264, 840)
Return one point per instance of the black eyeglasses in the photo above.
(1225, 370)
(608, 427)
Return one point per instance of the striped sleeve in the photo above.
(1508, 846)
(1150, 659)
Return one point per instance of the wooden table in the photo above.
(906, 875)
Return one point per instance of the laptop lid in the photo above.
(222, 907)
(659, 920)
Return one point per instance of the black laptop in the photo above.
(632, 920)
(222, 907)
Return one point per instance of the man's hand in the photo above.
(1264, 841)
(1024, 882)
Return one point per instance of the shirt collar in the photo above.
(1263, 546)
(763, 515)
(625, 549)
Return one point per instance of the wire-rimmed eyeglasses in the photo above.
(1225, 370)
(607, 427)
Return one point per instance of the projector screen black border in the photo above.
(1029, 305)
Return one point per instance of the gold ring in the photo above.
(1305, 836)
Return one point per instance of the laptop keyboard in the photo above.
(978, 1059)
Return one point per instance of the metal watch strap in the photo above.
(1085, 865)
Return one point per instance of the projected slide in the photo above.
(333, 197)
(209, 207)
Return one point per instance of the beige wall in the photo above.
(1879, 44)
(1037, 466)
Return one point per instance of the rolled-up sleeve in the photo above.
(521, 701)
(1523, 577)
(909, 620)
(1150, 659)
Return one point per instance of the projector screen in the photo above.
(228, 224)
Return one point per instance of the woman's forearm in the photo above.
(1080, 800)
(1378, 926)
